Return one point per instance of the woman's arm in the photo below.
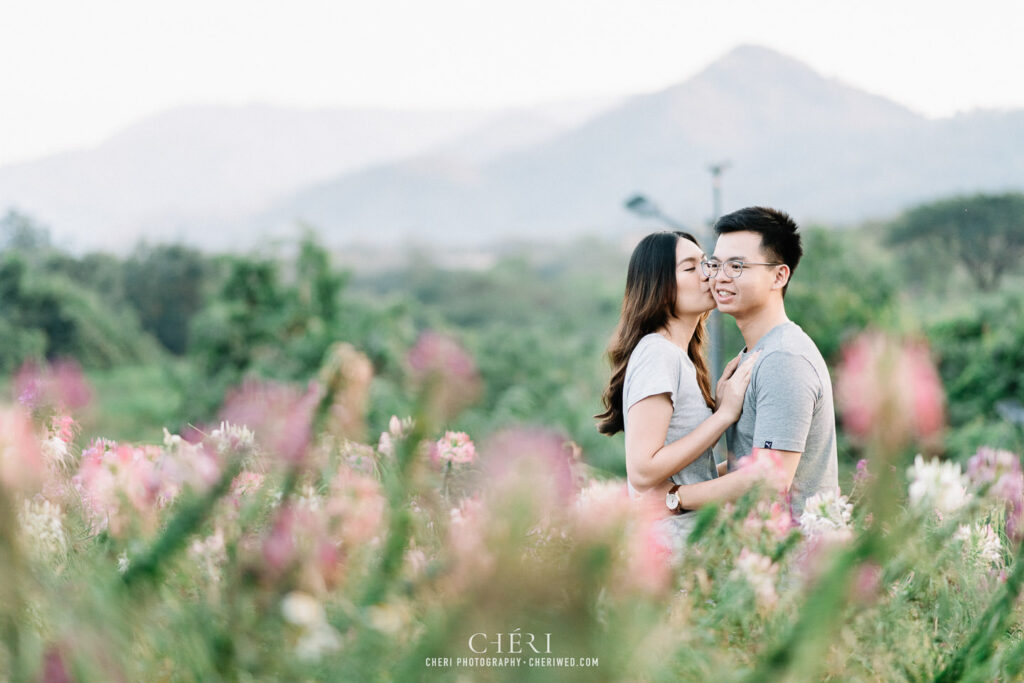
(649, 460)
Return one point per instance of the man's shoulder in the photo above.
(791, 339)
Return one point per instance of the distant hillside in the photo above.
(228, 177)
(821, 149)
(189, 171)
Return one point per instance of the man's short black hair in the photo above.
(779, 237)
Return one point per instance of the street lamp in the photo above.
(642, 206)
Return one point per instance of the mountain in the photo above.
(228, 177)
(795, 139)
(188, 171)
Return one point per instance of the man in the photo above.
(788, 406)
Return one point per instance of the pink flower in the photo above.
(440, 365)
(648, 566)
(454, 447)
(867, 580)
(537, 463)
(863, 476)
(60, 386)
(766, 465)
(346, 376)
(999, 473)
(279, 414)
(120, 485)
(760, 572)
(356, 508)
(22, 466)
(279, 545)
(889, 389)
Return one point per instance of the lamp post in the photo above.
(642, 206)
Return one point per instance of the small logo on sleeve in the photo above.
(767, 444)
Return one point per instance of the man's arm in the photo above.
(732, 485)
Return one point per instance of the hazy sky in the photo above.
(73, 72)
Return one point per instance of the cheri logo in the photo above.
(511, 643)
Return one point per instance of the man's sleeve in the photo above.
(787, 388)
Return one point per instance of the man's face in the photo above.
(747, 293)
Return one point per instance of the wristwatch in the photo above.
(672, 501)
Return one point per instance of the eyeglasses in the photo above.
(733, 268)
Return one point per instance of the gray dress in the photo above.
(657, 366)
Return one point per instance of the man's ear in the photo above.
(781, 277)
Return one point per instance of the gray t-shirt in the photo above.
(788, 406)
(657, 366)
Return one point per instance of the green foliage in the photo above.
(538, 322)
(842, 286)
(164, 285)
(49, 316)
(984, 232)
(981, 357)
(273, 318)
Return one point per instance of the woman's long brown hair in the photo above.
(647, 306)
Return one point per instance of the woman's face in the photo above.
(693, 291)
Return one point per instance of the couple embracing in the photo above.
(775, 395)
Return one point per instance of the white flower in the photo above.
(981, 544)
(826, 514)
(317, 636)
(230, 437)
(317, 641)
(302, 609)
(939, 484)
(43, 526)
(759, 571)
(123, 562)
(56, 451)
(210, 554)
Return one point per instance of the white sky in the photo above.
(74, 72)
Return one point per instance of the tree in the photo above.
(165, 286)
(984, 232)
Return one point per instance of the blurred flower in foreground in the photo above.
(316, 637)
(601, 507)
(827, 514)
(346, 376)
(60, 386)
(440, 366)
(766, 465)
(22, 465)
(771, 516)
(42, 524)
(889, 389)
(937, 484)
(760, 572)
(280, 415)
(536, 463)
(453, 447)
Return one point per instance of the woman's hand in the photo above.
(733, 386)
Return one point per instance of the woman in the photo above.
(660, 388)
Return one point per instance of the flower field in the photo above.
(283, 542)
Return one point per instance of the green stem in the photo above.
(978, 647)
(185, 522)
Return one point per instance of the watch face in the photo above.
(672, 501)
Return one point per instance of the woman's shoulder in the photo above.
(656, 349)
